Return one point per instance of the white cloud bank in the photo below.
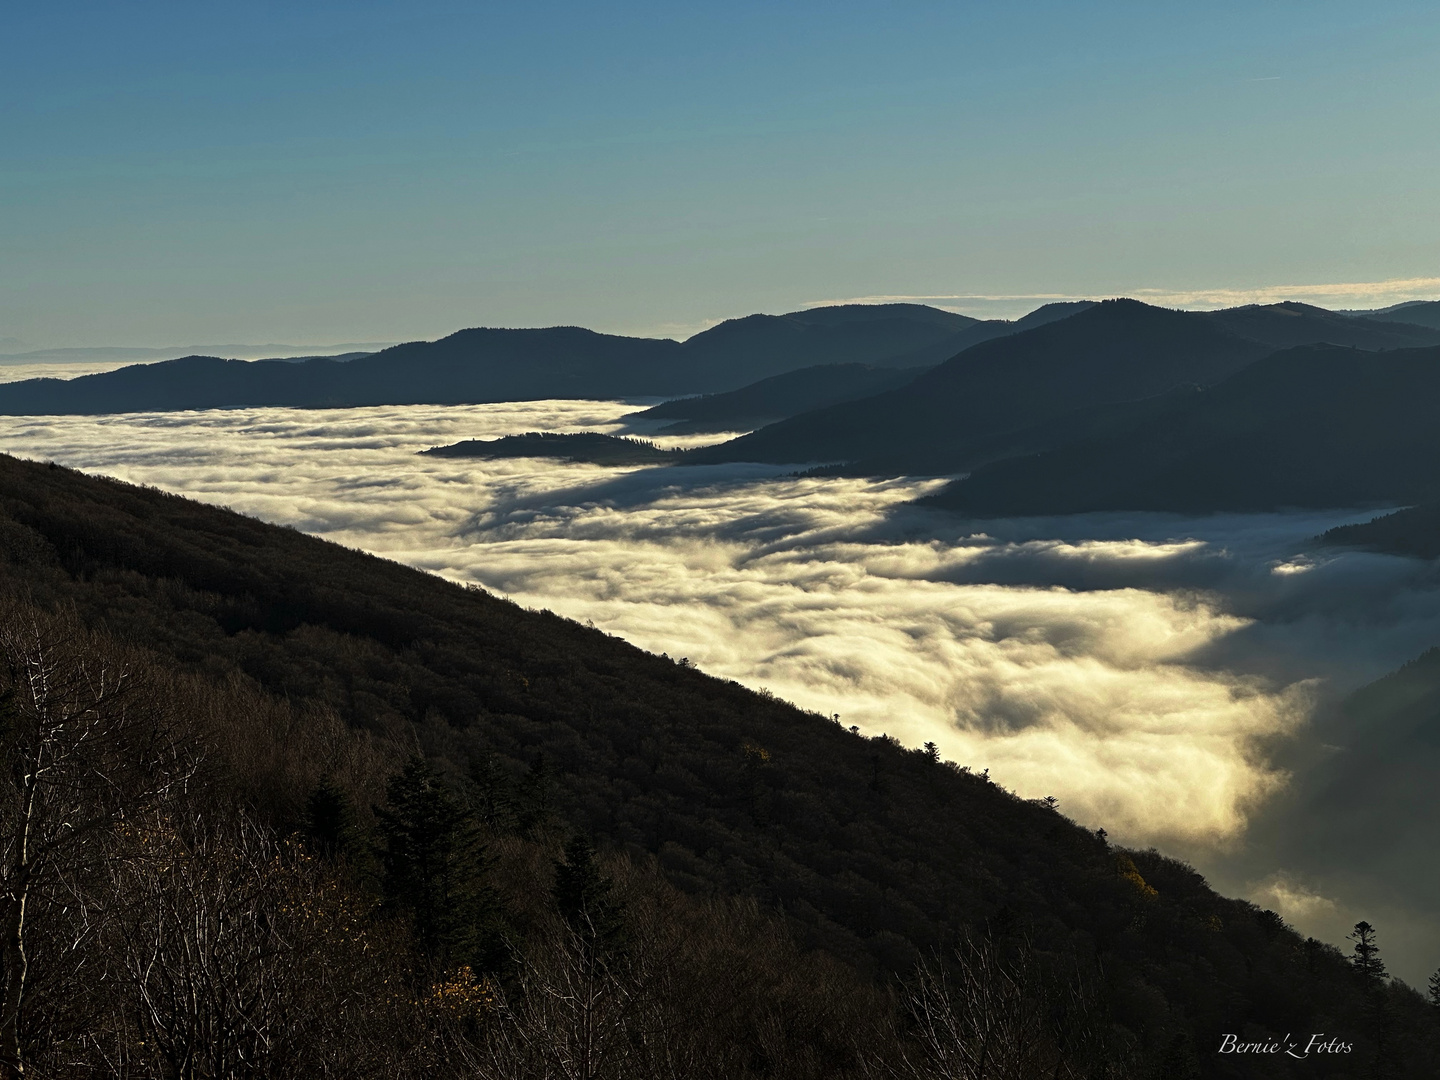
(1139, 680)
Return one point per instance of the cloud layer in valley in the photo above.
(1142, 669)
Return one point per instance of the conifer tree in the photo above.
(1367, 954)
(1435, 988)
(433, 867)
(493, 793)
(585, 898)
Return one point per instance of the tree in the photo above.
(585, 898)
(1367, 954)
(86, 750)
(494, 796)
(233, 953)
(1435, 989)
(433, 867)
(994, 1014)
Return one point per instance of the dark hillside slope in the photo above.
(874, 852)
(948, 419)
(1312, 427)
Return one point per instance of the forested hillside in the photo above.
(392, 783)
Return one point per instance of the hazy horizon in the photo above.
(1367, 295)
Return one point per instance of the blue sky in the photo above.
(317, 172)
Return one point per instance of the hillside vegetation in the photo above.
(396, 783)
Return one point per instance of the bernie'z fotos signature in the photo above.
(1315, 1044)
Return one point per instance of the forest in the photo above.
(279, 808)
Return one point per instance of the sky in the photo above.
(324, 172)
(1156, 674)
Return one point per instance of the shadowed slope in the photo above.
(1311, 427)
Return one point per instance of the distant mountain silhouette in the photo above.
(507, 365)
(742, 351)
(1284, 325)
(1317, 426)
(775, 398)
(588, 446)
(1415, 312)
(997, 398)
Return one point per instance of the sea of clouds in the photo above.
(1148, 671)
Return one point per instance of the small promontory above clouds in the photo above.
(481, 365)
(589, 446)
(1318, 426)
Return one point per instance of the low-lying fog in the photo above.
(1146, 670)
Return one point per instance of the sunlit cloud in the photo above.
(1297, 902)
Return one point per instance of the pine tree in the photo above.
(586, 901)
(433, 867)
(1367, 954)
(1435, 989)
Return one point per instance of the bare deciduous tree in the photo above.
(84, 749)
(995, 1015)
